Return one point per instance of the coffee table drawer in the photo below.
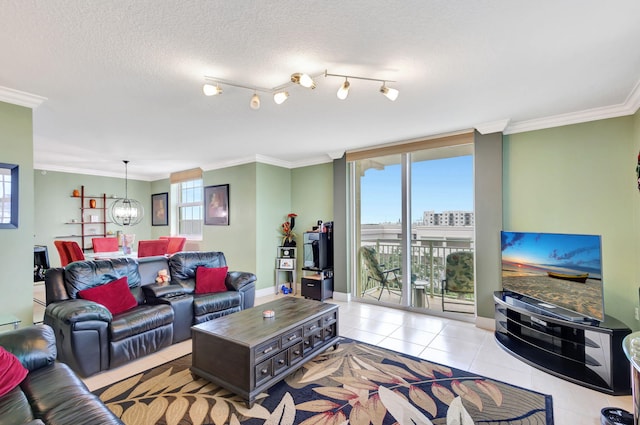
(312, 326)
(295, 353)
(330, 318)
(266, 349)
(264, 371)
(329, 332)
(291, 337)
(280, 362)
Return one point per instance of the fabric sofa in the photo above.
(90, 338)
(51, 393)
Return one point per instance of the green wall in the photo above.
(581, 179)
(16, 249)
(55, 206)
(273, 199)
(312, 195)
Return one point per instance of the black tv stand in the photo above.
(542, 308)
(585, 352)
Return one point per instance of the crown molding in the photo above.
(43, 166)
(493, 126)
(628, 107)
(20, 98)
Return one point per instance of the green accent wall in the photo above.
(273, 200)
(312, 195)
(55, 207)
(237, 240)
(16, 249)
(581, 179)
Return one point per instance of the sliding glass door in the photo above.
(410, 212)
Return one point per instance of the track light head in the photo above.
(390, 93)
(343, 91)
(211, 90)
(255, 102)
(280, 97)
(303, 79)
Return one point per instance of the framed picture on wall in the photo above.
(160, 209)
(216, 205)
(9, 198)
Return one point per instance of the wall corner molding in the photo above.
(20, 98)
(493, 126)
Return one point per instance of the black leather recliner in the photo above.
(89, 338)
(51, 393)
(240, 285)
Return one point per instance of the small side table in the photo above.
(9, 319)
(286, 264)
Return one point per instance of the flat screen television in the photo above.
(561, 273)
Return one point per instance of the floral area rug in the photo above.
(356, 384)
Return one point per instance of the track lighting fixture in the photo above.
(391, 94)
(303, 79)
(280, 95)
(211, 90)
(343, 91)
(255, 101)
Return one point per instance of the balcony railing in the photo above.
(428, 258)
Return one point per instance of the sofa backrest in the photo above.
(148, 267)
(81, 275)
(183, 265)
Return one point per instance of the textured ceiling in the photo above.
(123, 79)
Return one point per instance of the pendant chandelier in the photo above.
(125, 211)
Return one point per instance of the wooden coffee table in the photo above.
(247, 354)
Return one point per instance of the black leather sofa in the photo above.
(51, 393)
(90, 339)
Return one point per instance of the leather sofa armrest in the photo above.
(237, 280)
(78, 310)
(34, 346)
(154, 291)
(245, 284)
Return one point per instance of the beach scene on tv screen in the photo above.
(560, 269)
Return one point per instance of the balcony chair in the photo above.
(458, 286)
(176, 244)
(385, 278)
(105, 244)
(154, 247)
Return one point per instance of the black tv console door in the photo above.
(586, 353)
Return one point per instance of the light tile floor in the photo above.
(450, 342)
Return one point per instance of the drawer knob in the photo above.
(292, 337)
(306, 343)
(267, 350)
(296, 352)
(317, 336)
(281, 361)
(264, 371)
(312, 327)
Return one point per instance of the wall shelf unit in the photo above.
(93, 219)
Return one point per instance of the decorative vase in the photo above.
(76, 193)
(92, 203)
(289, 243)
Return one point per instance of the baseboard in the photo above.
(341, 296)
(264, 292)
(486, 323)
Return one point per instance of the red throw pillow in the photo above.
(210, 279)
(115, 296)
(11, 371)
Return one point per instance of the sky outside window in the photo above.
(437, 185)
